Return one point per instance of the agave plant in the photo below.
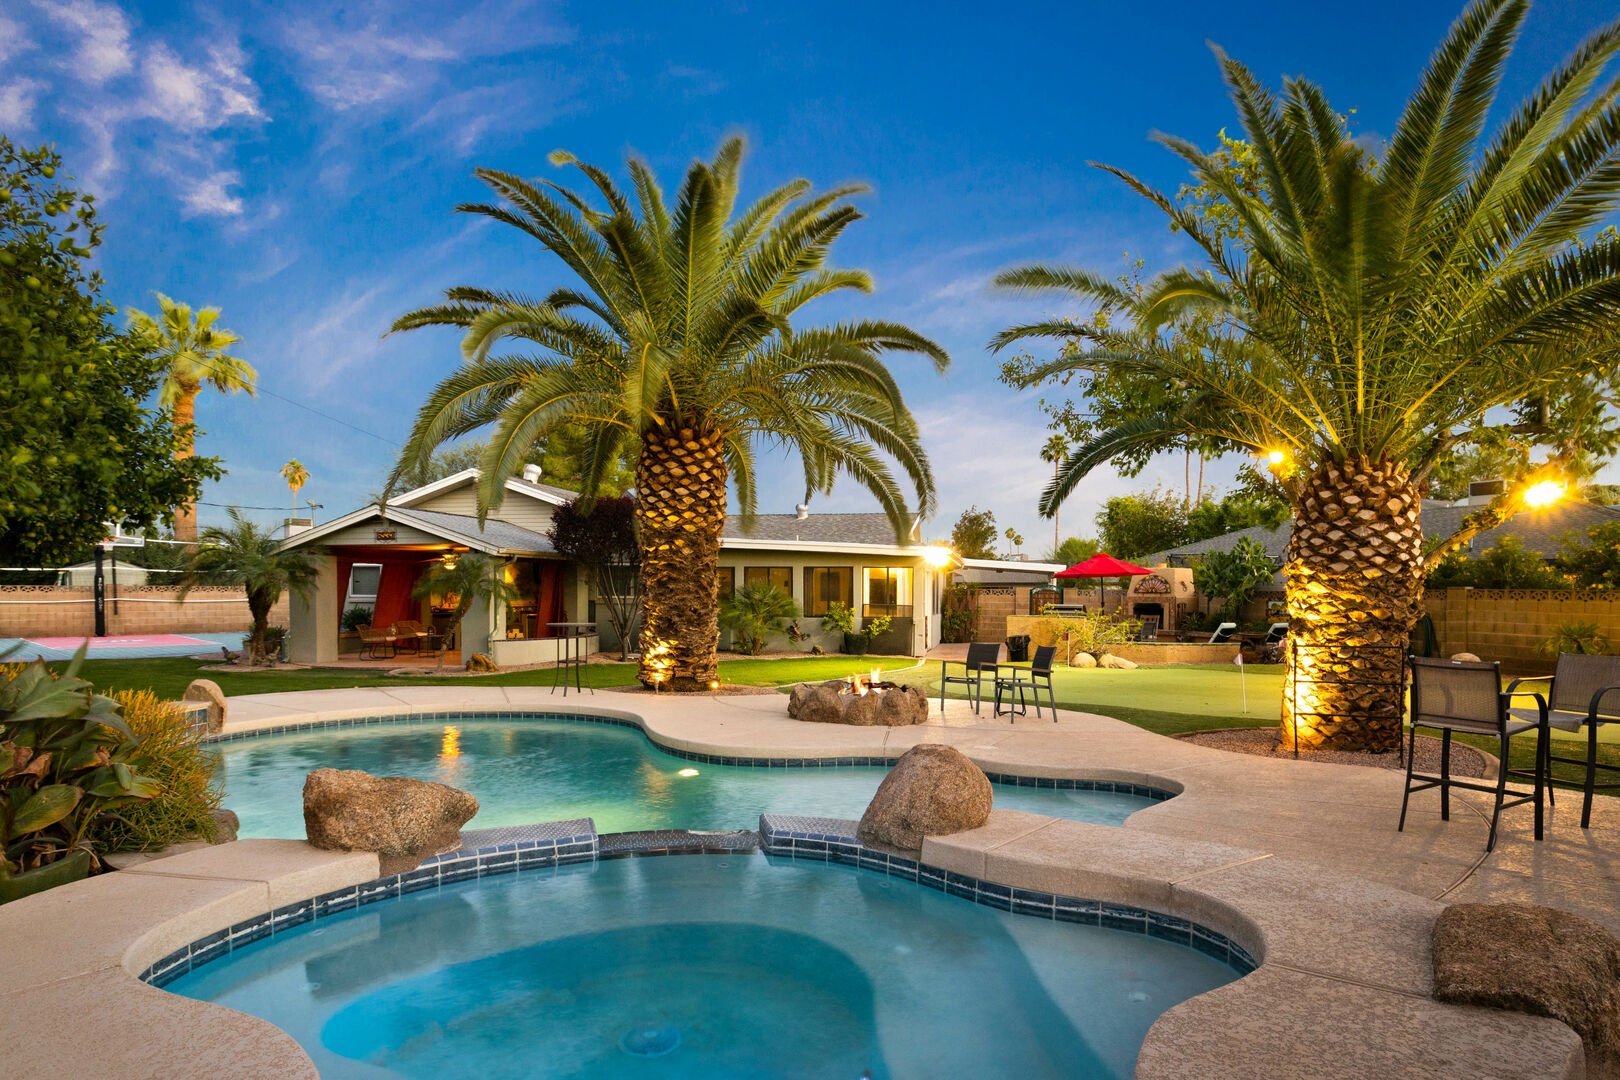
(65, 765)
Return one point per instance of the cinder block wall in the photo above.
(1509, 625)
(55, 611)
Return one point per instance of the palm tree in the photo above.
(193, 349)
(754, 612)
(676, 348)
(245, 554)
(468, 578)
(1054, 450)
(1357, 318)
(296, 476)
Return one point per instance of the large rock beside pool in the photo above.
(207, 691)
(828, 703)
(403, 820)
(1535, 960)
(932, 790)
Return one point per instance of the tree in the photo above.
(244, 554)
(1074, 550)
(79, 450)
(467, 579)
(1238, 510)
(1232, 576)
(1508, 564)
(296, 476)
(1015, 540)
(193, 354)
(677, 348)
(1367, 316)
(974, 534)
(1054, 450)
(754, 612)
(1593, 561)
(601, 541)
(1131, 526)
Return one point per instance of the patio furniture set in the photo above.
(384, 643)
(984, 662)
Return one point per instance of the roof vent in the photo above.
(802, 511)
(531, 473)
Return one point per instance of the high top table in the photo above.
(570, 659)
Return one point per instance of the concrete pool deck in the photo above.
(1300, 861)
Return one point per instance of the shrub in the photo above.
(355, 618)
(754, 612)
(1093, 632)
(184, 769)
(1576, 637)
(840, 619)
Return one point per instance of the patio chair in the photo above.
(1223, 633)
(981, 661)
(1451, 695)
(1149, 630)
(1581, 692)
(1271, 646)
(378, 644)
(1039, 675)
(408, 633)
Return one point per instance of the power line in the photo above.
(257, 389)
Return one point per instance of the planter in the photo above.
(856, 644)
(71, 868)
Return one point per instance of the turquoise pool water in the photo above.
(524, 771)
(705, 967)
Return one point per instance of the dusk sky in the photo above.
(297, 164)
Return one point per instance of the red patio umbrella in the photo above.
(1102, 565)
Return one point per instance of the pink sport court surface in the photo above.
(125, 646)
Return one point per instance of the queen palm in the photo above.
(193, 350)
(1364, 320)
(677, 346)
(242, 553)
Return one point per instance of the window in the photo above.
(888, 592)
(725, 582)
(825, 585)
(780, 576)
(364, 579)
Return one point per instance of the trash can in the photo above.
(1018, 648)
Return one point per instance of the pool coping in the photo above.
(1330, 943)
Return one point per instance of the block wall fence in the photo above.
(62, 611)
(1509, 625)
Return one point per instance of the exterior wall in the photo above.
(365, 535)
(526, 652)
(60, 611)
(519, 509)
(924, 594)
(1509, 625)
(314, 617)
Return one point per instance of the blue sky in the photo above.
(297, 165)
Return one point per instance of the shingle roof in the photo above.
(1541, 530)
(817, 528)
(494, 533)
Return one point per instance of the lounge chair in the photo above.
(1271, 647)
(1039, 678)
(1149, 630)
(1583, 691)
(1223, 633)
(378, 644)
(981, 661)
(1451, 695)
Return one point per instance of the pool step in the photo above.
(676, 842)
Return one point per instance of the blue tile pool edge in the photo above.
(1118, 787)
(827, 840)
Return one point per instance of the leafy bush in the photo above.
(877, 625)
(840, 619)
(1094, 632)
(189, 790)
(68, 763)
(754, 612)
(1232, 576)
(355, 618)
(960, 612)
(1576, 637)
(1507, 565)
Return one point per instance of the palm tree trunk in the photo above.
(1355, 591)
(680, 513)
(185, 414)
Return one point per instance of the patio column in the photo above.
(313, 618)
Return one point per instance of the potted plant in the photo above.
(874, 629)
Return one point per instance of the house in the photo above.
(372, 558)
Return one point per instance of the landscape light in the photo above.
(687, 772)
(1276, 457)
(1544, 493)
(714, 684)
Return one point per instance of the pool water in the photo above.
(706, 966)
(525, 770)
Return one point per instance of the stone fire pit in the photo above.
(861, 701)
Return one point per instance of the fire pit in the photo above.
(864, 700)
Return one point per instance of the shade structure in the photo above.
(1103, 565)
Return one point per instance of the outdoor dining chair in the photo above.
(379, 644)
(1453, 695)
(1039, 677)
(980, 662)
(1584, 691)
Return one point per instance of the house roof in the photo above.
(871, 530)
(549, 493)
(493, 537)
(1543, 531)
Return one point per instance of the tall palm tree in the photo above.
(1365, 319)
(676, 346)
(244, 554)
(193, 349)
(1055, 449)
(296, 476)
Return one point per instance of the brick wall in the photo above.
(55, 611)
(1510, 624)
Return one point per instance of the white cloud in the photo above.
(103, 50)
(17, 100)
(14, 40)
(201, 98)
(210, 194)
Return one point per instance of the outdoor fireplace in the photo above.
(863, 699)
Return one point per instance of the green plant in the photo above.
(679, 342)
(245, 554)
(274, 637)
(184, 770)
(1507, 564)
(1093, 632)
(1576, 637)
(599, 537)
(470, 578)
(840, 618)
(959, 612)
(355, 618)
(1233, 575)
(754, 612)
(1355, 318)
(877, 625)
(68, 764)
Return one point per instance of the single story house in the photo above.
(373, 557)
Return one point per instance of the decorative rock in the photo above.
(481, 662)
(1083, 660)
(1118, 663)
(402, 820)
(225, 825)
(933, 790)
(207, 690)
(1535, 960)
(826, 703)
(1465, 657)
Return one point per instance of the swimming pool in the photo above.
(710, 967)
(526, 769)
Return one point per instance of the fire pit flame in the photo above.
(861, 685)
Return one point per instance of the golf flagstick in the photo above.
(1243, 684)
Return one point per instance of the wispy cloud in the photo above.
(17, 100)
(102, 50)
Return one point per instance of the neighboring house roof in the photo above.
(1006, 571)
(1542, 531)
(871, 530)
(549, 493)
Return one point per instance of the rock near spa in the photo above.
(932, 790)
(403, 820)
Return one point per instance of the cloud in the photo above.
(103, 50)
(14, 40)
(693, 82)
(210, 195)
(17, 100)
(208, 98)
